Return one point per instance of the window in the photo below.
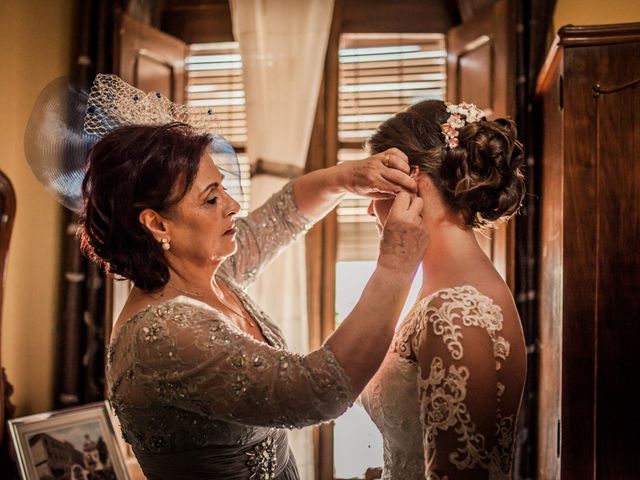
(379, 75)
(215, 80)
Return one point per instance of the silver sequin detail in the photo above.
(262, 461)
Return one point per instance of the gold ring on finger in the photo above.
(385, 160)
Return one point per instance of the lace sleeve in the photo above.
(459, 352)
(263, 234)
(191, 358)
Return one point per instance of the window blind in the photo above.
(214, 79)
(379, 75)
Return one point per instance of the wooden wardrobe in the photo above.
(589, 123)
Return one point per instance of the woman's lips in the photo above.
(231, 231)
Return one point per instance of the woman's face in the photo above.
(201, 225)
(380, 210)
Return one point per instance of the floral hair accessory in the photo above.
(461, 114)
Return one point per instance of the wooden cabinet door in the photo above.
(481, 56)
(149, 59)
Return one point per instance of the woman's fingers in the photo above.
(416, 208)
(380, 175)
(400, 204)
(394, 160)
(403, 237)
(381, 196)
(399, 181)
(396, 152)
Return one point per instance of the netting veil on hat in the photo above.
(66, 122)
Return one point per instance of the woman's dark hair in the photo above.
(130, 169)
(481, 177)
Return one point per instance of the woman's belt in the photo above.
(262, 460)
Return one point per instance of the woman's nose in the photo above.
(234, 206)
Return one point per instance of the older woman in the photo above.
(198, 375)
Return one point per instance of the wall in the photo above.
(35, 47)
(595, 12)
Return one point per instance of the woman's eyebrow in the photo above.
(211, 186)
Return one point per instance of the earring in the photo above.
(165, 243)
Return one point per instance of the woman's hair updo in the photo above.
(131, 169)
(480, 177)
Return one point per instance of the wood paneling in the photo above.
(380, 16)
(617, 309)
(550, 332)
(591, 263)
(468, 8)
(481, 70)
(321, 241)
(149, 59)
(198, 21)
(475, 75)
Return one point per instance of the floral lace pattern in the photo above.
(431, 374)
(181, 376)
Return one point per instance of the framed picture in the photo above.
(71, 444)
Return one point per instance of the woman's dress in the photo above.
(447, 395)
(198, 398)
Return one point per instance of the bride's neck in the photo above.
(452, 248)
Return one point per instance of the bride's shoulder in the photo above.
(466, 297)
(444, 308)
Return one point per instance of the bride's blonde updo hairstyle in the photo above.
(478, 173)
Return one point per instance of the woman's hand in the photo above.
(404, 238)
(380, 176)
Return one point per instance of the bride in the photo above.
(447, 395)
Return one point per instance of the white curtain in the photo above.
(283, 45)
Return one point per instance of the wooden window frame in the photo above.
(349, 16)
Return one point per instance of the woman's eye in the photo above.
(213, 201)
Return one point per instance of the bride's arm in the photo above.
(457, 390)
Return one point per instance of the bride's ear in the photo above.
(426, 187)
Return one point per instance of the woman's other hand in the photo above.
(382, 175)
(404, 238)
(362, 339)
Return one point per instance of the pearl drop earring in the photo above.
(165, 244)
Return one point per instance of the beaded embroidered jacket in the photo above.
(181, 376)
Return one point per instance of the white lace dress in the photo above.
(447, 395)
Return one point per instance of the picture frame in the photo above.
(76, 443)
